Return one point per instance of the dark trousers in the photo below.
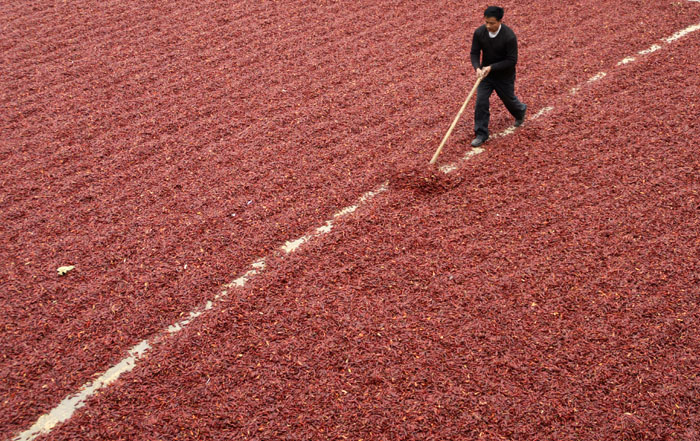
(505, 89)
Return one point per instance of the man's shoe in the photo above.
(519, 121)
(478, 141)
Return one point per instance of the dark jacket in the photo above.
(501, 53)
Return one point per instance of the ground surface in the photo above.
(550, 291)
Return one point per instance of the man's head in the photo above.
(492, 18)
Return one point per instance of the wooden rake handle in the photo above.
(454, 123)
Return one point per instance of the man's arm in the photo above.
(475, 53)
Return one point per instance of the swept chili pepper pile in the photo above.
(422, 178)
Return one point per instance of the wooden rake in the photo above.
(454, 123)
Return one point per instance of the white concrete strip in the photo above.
(509, 131)
(346, 210)
(597, 77)
(323, 229)
(293, 245)
(684, 32)
(448, 168)
(177, 327)
(473, 152)
(66, 408)
(594, 78)
(542, 111)
(239, 282)
(626, 60)
(653, 48)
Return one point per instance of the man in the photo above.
(494, 55)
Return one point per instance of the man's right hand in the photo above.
(480, 73)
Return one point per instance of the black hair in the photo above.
(494, 11)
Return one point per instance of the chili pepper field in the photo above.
(253, 246)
